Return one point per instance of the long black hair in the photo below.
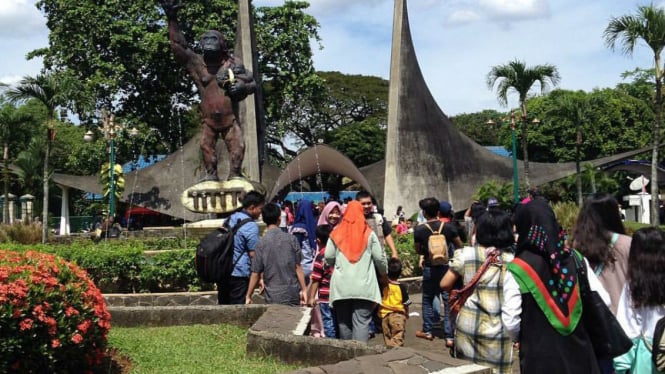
(598, 219)
(646, 261)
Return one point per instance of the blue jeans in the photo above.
(328, 319)
(432, 276)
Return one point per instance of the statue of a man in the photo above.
(222, 82)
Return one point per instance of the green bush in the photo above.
(52, 317)
(23, 233)
(566, 213)
(404, 245)
(171, 271)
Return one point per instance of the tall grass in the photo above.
(190, 349)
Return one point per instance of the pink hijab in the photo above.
(323, 217)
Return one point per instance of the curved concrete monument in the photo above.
(425, 153)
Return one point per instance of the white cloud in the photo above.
(20, 19)
(515, 10)
(463, 16)
(10, 80)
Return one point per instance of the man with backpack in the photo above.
(434, 241)
(233, 290)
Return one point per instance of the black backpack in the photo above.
(214, 254)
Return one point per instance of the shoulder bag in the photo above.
(459, 297)
(607, 336)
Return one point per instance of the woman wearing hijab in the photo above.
(304, 229)
(542, 307)
(331, 215)
(355, 252)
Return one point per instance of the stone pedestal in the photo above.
(639, 209)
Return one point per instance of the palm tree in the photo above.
(516, 76)
(574, 109)
(648, 25)
(52, 91)
(10, 121)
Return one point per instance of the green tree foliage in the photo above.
(517, 77)
(475, 126)
(593, 179)
(501, 191)
(640, 86)
(11, 121)
(352, 105)
(52, 90)
(614, 122)
(121, 50)
(646, 25)
(290, 83)
(363, 142)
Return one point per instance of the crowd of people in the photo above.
(517, 270)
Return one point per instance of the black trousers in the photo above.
(232, 291)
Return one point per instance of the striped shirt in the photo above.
(322, 274)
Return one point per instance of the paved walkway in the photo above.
(438, 345)
(414, 323)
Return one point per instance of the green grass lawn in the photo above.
(190, 349)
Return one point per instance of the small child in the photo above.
(320, 283)
(394, 308)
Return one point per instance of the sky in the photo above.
(457, 42)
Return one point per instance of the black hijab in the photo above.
(540, 233)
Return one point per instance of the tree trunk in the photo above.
(578, 143)
(46, 180)
(656, 143)
(5, 175)
(525, 146)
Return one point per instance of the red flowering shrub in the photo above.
(52, 316)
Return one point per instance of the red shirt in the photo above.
(322, 275)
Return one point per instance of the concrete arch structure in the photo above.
(319, 159)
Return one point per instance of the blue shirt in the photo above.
(244, 241)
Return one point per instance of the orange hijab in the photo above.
(352, 234)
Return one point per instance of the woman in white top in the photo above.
(642, 301)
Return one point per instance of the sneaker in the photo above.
(424, 335)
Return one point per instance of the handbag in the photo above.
(607, 336)
(458, 297)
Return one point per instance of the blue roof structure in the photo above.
(498, 150)
(315, 197)
(141, 163)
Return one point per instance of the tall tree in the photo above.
(647, 25)
(574, 110)
(11, 123)
(52, 91)
(290, 82)
(121, 50)
(517, 76)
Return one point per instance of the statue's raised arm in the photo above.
(181, 51)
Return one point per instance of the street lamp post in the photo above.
(513, 139)
(110, 129)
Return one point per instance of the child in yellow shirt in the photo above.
(394, 308)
